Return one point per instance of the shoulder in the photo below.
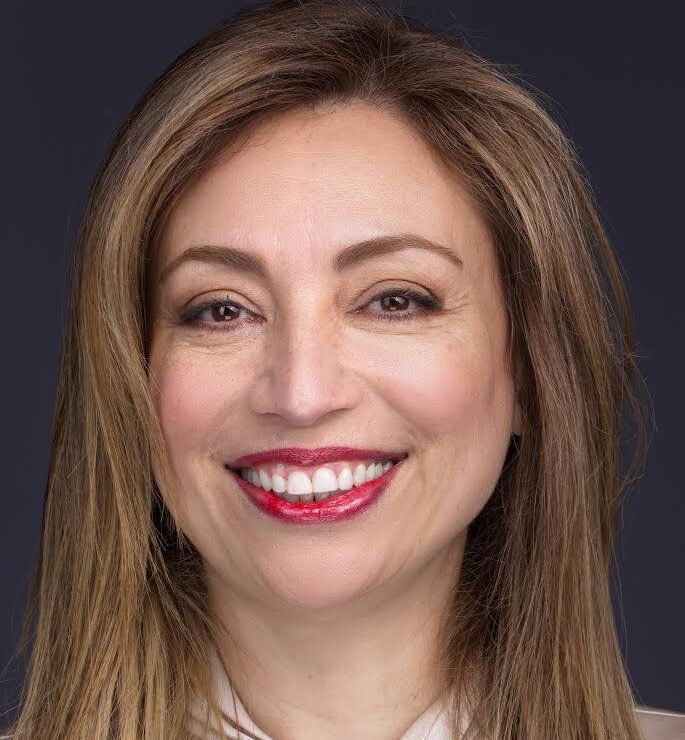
(660, 724)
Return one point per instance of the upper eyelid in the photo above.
(415, 294)
(428, 304)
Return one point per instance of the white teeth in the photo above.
(324, 480)
(278, 482)
(264, 480)
(324, 483)
(360, 474)
(299, 483)
(345, 479)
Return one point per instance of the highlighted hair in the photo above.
(118, 621)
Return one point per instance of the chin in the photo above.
(299, 581)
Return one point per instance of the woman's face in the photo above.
(312, 359)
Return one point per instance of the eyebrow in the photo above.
(248, 262)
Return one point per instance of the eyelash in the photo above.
(428, 304)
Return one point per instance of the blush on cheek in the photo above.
(439, 390)
(191, 401)
(192, 404)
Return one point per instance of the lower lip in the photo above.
(333, 509)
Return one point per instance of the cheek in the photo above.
(191, 400)
(194, 392)
(441, 387)
(456, 397)
(184, 408)
(192, 396)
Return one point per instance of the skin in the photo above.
(336, 623)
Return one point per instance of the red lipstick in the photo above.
(333, 509)
(315, 456)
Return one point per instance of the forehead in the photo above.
(307, 182)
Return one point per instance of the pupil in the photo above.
(221, 311)
(393, 306)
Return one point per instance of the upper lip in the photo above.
(313, 456)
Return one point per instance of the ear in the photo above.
(517, 420)
(516, 423)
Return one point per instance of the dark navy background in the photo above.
(614, 72)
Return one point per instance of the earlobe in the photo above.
(515, 367)
(516, 422)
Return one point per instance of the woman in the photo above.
(335, 450)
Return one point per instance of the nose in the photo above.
(304, 375)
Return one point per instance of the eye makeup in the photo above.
(427, 304)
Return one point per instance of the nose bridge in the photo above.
(304, 375)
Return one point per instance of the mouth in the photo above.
(319, 506)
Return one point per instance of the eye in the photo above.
(224, 313)
(397, 309)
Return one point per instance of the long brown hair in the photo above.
(118, 622)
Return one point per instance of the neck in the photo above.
(367, 668)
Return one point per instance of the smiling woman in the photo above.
(336, 450)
